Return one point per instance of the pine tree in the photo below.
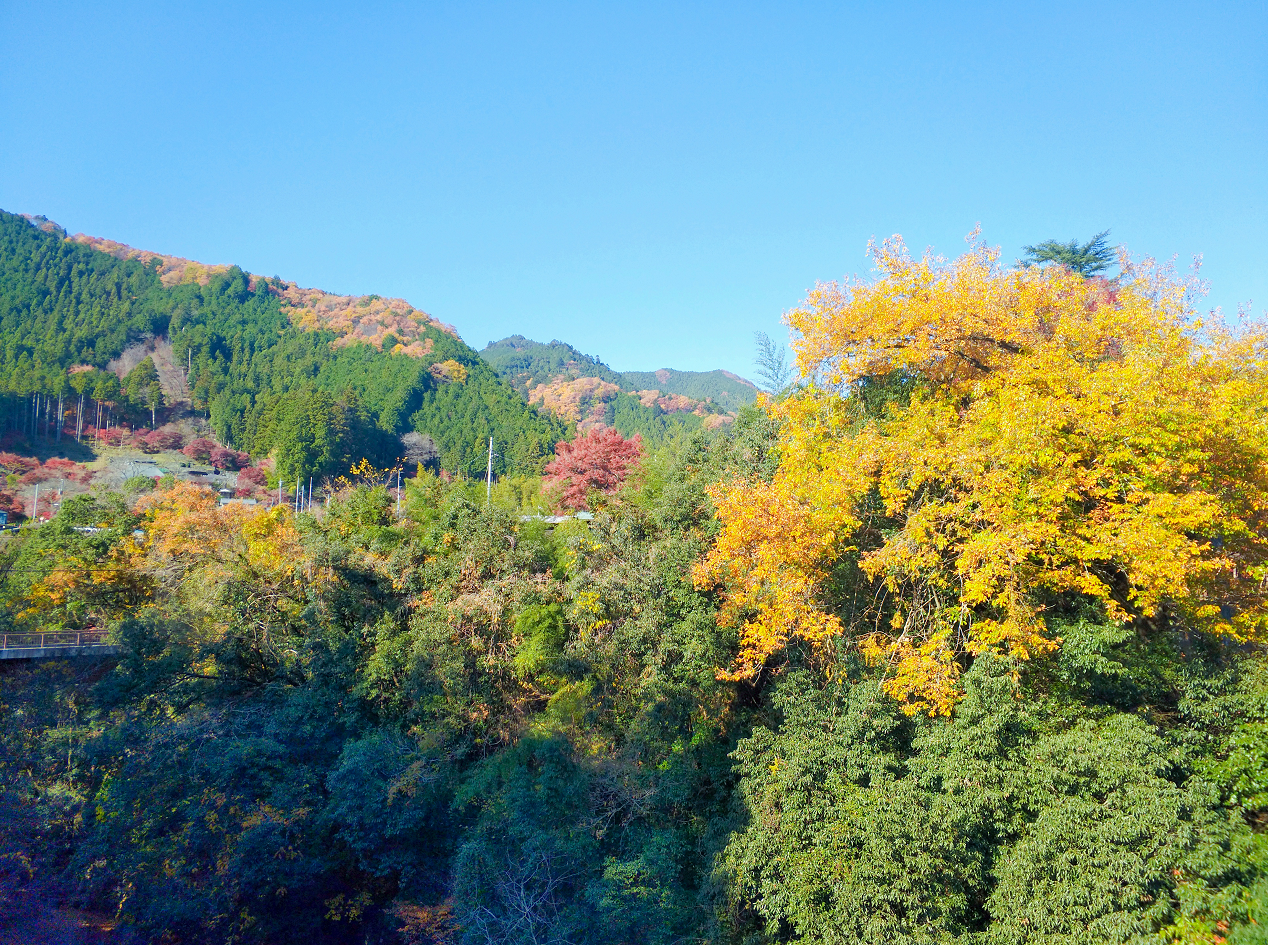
(1086, 259)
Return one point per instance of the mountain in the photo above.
(582, 388)
(720, 387)
(389, 324)
(314, 379)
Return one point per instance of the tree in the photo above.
(985, 447)
(598, 460)
(227, 459)
(199, 449)
(772, 369)
(154, 399)
(251, 479)
(139, 379)
(1086, 259)
(420, 450)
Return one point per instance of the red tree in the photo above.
(228, 459)
(251, 478)
(199, 449)
(598, 460)
(167, 439)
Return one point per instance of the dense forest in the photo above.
(958, 640)
(67, 310)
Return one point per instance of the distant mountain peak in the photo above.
(544, 373)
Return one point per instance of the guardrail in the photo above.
(53, 639)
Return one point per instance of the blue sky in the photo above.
(651, 183)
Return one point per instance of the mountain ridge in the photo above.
(389, 324)
(528, 364)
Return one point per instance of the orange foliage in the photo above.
(568, 398)
(670, 403)
(188, 528)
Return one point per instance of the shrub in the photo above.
(138, 484)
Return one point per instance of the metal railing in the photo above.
(44, 641)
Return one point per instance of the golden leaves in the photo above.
(187, 527)
(1045, 435)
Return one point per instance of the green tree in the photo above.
(1087, 259)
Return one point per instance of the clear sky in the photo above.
(651, 183)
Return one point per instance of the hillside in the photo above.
(581, 388)
(727, 390)
(389, 324)
(527, 363)
(313, 379)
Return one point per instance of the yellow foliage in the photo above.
(79, 592)
(187, 527)
(1053, 435)
(450, 371)
(365, 473)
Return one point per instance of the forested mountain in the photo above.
(273, 376)
(580, 388)
(528, 363)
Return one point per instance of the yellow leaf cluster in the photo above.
(188, 528)
(79, 592)
(1056, 437)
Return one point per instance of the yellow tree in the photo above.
(227, 561)
(1048, 436)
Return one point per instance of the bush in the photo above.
(138, 484)
(252, 478)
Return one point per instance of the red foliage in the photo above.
(12, 504)
(13, 463)
(228, 459)
(251, 478)
(598, 460)
(165, 439)
(55, 468)
(200, 449)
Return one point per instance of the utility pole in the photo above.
(35, 512)
(398, 493)
(309, 505)
(488, 485)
